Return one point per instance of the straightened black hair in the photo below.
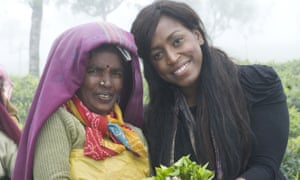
(221, 109)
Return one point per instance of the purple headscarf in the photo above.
(7, 83)
(63, 75)
(7, 124)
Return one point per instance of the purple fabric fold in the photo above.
(7, 124)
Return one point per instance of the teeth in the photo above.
(104, 96)
(182, 68)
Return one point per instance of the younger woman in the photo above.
(201, 103)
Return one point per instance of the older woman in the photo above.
(79, 124)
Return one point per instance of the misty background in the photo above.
(254, 30)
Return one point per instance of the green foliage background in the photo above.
(24, 89)
(289, 73)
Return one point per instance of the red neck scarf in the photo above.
(105, 135)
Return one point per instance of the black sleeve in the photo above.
(269, 121)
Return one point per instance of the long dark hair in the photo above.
(221, 110)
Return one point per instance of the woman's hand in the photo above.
(240, 178)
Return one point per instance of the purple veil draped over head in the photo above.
(63, 75)
(7, 83)
(7, 124)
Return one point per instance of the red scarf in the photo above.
(100, 141)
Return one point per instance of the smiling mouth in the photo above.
(104, 97)
(181, 69)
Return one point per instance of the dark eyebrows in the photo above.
(172, 34)
(169, 37)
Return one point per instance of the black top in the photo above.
(269, 122)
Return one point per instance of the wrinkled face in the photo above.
(102, 83)
(175, 53)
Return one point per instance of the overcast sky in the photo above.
(275, 36)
